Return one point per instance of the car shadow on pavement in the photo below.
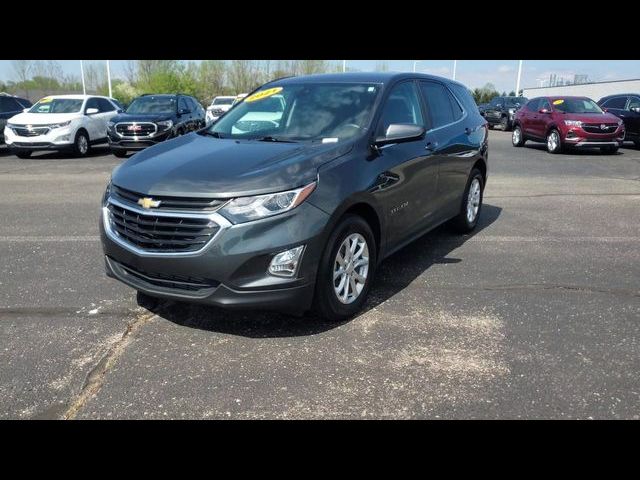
(573, 151)
(97, 151)
(393, 275)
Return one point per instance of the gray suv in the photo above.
(292, 204)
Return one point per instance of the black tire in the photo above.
(461, 222)
(637, 144)
(609, 150)
(23, 153)
(517, 133)
(504, 123)
(81, 147)
(558, 147)
(326, 303)
(119, 153)
(490, 126)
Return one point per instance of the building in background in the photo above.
(593, 90)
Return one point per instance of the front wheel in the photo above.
(119, 153)
(504, 124)
(81, 144)
(554, 144)
(517, 139)
(346, 270)
(467, 219)
(23, 153)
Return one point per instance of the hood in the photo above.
(201, 166)
(590, 117)
(43, 118)
(141, 117)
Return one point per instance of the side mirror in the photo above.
(400, 132)
(635, 109)
(184, 111)
(543, 110)
(91, 111)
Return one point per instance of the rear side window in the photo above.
(532, 105)
(616, 102)
(464, 96)
(442, 106)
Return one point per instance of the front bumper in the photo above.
(56, 139)
(577, 137)
(117, 142)
(231, 270)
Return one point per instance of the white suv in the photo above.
(61, 122)
(218, 106)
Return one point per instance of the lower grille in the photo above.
(174, 282)
(33, 132)
(597, 127)
(160, 233)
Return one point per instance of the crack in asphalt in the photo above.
(95, 378)
(555, 286)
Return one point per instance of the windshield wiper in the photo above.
(269, 138)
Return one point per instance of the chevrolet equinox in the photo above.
(294, 197)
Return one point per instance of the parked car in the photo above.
(501, 111)
(151, 119)
(563, 122)
(10, 106)
(297, 212)
(219, 105)
(239, 98)
(627, 107)
(482, 107)
(61, 122)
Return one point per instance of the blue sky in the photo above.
(473, 73)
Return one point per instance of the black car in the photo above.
(293, 208)
(482, 107)
(627, 107)
(151, 119)
(10, 106)
(501, 111)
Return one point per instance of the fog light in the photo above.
(285, 264)
(62, 138)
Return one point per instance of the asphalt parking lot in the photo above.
(535, 315)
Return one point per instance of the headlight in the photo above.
(620, 122)
(107, 192)
(573, 123)
(245, 209)
(165, 124)
(59, 125)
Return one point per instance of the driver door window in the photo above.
(402, 106)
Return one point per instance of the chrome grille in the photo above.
(596, 127)
(171, 203)
(160, 233)
(30, 132)
(136, 129)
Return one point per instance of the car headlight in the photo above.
(573, 123)
(245, 209)
(512, 111)
(59, 125)
(620, 122)
(107, 192)
(165, 124)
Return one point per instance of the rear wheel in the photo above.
(504, 123)
(346, 270)
(81, 144)
(467, 219)
(609, 149)
(23, 153)
(554, 144)
(517, 139)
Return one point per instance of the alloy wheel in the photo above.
(553, 141)
(473, 200)
(350, 268)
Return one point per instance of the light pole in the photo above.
(109, 78)
(455, 64)
(344, 66)
(414, 65)
(84, 89)
(519, 74)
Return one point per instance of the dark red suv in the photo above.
(564, 122)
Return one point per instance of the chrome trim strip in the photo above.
(222, 222)
(581, 144)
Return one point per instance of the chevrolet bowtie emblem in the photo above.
(147, 202)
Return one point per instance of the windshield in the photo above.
(223, 101)
(152, 104)
(576, 105)
(515, 101)
(57, 105)
(315, 112)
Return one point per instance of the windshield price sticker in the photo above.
(558, 102)
(263, 94)
(45, 100)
